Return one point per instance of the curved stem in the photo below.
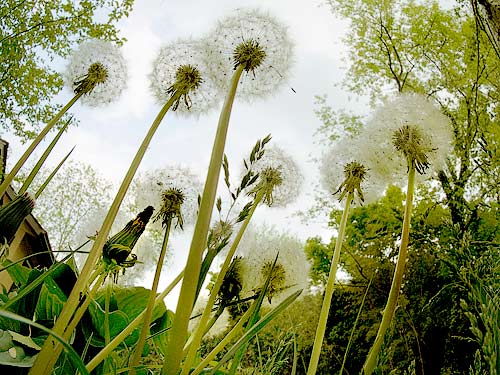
(196, 337)
(173, 355)
(136, 357)
(51, 350)
(130, 328)
(392, 300)
(10, 177)
(327, 299)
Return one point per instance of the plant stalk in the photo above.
(392, 300)
(51, 350)
(136, 357)
(327, 299)
(42, 159)
(196, 337)
(173, 356)
(10, 177)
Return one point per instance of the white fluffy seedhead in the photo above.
(405, 111)
(148, 187)
(292, 178)
(254, 27)
(106, 55)
(332, 171)
(172, 56)
(259, 247)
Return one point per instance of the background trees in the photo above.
(419, 46)
(33, 35)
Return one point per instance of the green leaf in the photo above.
(160, 325)
(25, 340)
(50, 302)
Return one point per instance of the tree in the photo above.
(418, 46)
(33, 35)
(72, 197)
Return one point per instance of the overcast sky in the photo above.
(108, 137)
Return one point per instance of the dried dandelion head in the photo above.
(172, 200)
(406, 131)
(98, 70)
(179, 68)
(282, 174)
(256, 41)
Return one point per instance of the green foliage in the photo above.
(33, 35)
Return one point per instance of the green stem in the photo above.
(42, 159)
(173, 355)
(130, 328)
(233, 333)
(49, 178)
(136, 357)
(327, 299)
(353, 331)
(107, 300)
(196, 337)
(10, 177)
(83, 306)
(51, 350)
(392, 300)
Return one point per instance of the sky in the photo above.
(108, 137)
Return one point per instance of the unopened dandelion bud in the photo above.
(13, 214)
(117, 249)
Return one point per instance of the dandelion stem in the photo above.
(51, 349)
(173, 355)
(327, 299)
(107, 301)
(392, 300)
(136, 357)
(10, 177)
(196, 337)
(130, 328)
(42, 159)
(238, 327)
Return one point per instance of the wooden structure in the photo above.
(30, 239)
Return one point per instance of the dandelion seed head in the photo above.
(257, 41)
(149, 187)
(407, 126)
(258, 249)
(276, 160)
(342, 163)
(180, 66)
(98, 69)
(172, 199)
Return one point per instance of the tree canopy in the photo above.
(443, 324)
(34, 34)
